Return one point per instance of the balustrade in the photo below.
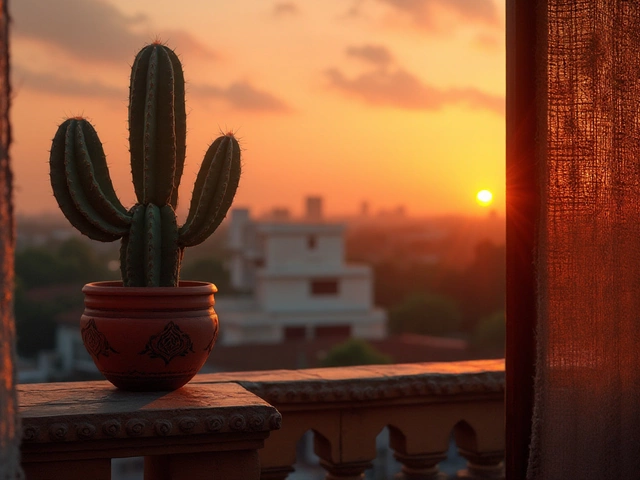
(346, 408)
(217, 426)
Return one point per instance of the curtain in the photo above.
(9, 426)
(586, 422)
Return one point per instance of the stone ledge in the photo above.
(85, 411)
(375, 382)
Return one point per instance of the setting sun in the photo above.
(484, 197)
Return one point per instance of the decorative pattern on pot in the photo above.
(94, 341)
(169, 344)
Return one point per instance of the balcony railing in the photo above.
(217, 426)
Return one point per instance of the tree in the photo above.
(73, 261)
(425, 314)
(208, 270)
(485, 283)
(354, 352)
(490, 333)
(35, 324)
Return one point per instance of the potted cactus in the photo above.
(151, 331)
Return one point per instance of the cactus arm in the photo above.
(171, 252)
(157, 136)
(153, 245)
(81, 199)
(215, 187)
(205, 170)
(133, 264)
(68, 188)
(94, 175)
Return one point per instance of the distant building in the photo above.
(297, 282)
(364, 209)
(314, 211)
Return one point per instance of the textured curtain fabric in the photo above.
(9, 427)
(586, 421)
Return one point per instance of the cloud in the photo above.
(240, 95)
(489, 42)
(285, 8)
(91, 30)
(401, 89)
(184, 42)
(57, 85)
(243, 96)
(428, 14)
(375, 54)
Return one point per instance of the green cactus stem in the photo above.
(152, 244)
(81, 182)
(157, 125)
(215, 187)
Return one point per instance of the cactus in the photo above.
(152, 243)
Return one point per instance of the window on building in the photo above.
(327, 286)
(295, 333)
(332, 331)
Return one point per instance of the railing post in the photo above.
(73, 430)
(227, 465)
(95, 469)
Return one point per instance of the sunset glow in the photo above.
(388, 103)
(484, 198)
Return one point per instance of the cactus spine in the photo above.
(152, 243)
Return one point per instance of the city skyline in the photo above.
(388, 102)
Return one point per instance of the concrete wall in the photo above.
(292, 251)
(293, 293)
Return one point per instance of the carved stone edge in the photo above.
(421, 385)
(107, 427)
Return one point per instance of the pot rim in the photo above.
(115, 287)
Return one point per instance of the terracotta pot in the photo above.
(149, 338)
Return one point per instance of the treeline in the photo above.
(431, 298)
(42, 272)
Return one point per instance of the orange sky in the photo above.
(394, 102)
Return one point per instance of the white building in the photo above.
(299, 283)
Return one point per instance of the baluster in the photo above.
(482, 465)
(484, 453)
(345, 471)
(423, 466)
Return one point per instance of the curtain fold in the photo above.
(9, 426)
(586, 421)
